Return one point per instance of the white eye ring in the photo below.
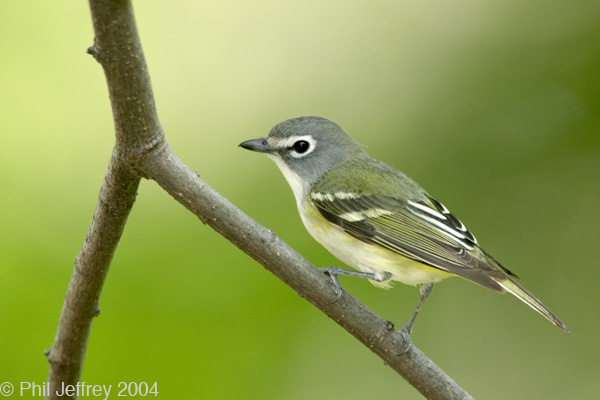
(293, 142)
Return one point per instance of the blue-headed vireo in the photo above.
(376, 219)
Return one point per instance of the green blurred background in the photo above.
(494, 107)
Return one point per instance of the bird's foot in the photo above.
(407, 341)
(333, 273)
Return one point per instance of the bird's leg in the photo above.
(333, 272)
(425, 289)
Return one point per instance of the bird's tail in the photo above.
(524, 295)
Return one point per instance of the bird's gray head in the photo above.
(306, 148)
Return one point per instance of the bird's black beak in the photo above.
(259, 145)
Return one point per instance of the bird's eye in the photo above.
(301, 146)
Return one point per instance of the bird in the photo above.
(376, 219)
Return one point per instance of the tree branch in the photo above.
(264, 246)
(91, 266)
(141, 151)
(117, 48)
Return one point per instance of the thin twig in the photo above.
(91, 266)
(117, 48)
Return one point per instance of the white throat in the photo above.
(299, 188)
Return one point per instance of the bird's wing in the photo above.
(386, 208)
(422, 230)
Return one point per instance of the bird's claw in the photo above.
(406, 346)
(332, 272)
